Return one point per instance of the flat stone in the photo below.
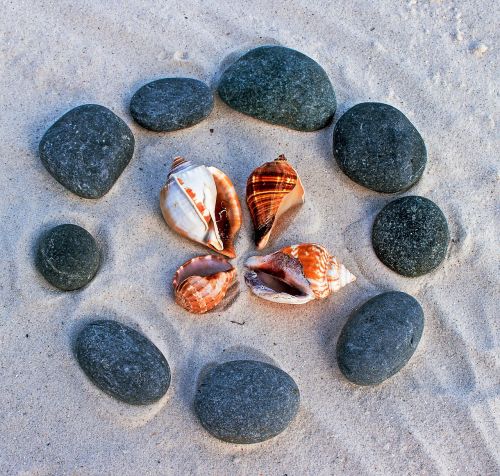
(378, 147)
(281, 86)
(410, 236)
(122, 362)
(172, 103)
(68, 257)
(379, 338)
(246, 401)
(87, 149)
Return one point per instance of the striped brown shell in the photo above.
(272, 189)
(201, 283)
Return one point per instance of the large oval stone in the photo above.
(87, 149)
(378, 147)
(410, 235)
(281, 86)
(379, 338)
(172, 103)
(246, 401)
(68, 257)
(122, 362)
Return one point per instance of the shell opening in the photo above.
(277, 284)
(202, 266)
(278, 277)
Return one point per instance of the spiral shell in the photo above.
(272, 189)
(201, 283)
(296, 274)
(323, 271)
(201, 204)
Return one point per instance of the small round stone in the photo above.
(410, 236)
(246, 401)
(87, 149)
(379, 338)
(281, 86)
(378, 147)
(172, 103)
(68, 257)
(122, 362)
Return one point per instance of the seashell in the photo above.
(201, 204)
(272, 189)
(296, 274)
(323, 271)
(201, 283)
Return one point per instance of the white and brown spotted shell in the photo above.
(200, 203)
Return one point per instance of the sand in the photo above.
(434, 61)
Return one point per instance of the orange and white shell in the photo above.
(201, 204)
(272, 189)
(296, 274)
(201, 283)
(323, 271)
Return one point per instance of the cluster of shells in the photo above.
(201, 203)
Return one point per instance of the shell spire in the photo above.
(321, 269)
(296, 274)
(272, 189)
(201, 283)
(200, 203)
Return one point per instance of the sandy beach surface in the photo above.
(435, 61)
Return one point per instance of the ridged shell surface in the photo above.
(321, 269)
(296, 274)
(201, 283)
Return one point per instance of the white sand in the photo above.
(434, 61)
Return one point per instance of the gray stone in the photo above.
(378, 147)
(172, 103)
(68, 257)
(410, 236)
(281, 86)
(122, 362)
(379, 338)
(246, 401)
(87, 149)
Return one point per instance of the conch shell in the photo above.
(200, 203)
(296, 274)
(201, 283)
(272, 189)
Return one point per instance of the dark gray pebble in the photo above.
(172, 103)
(281, 86)
(378, 147)
(246, 401)
(379, 338)
(122, 362)
(87, 149)
(410, 236)
(68, 257)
